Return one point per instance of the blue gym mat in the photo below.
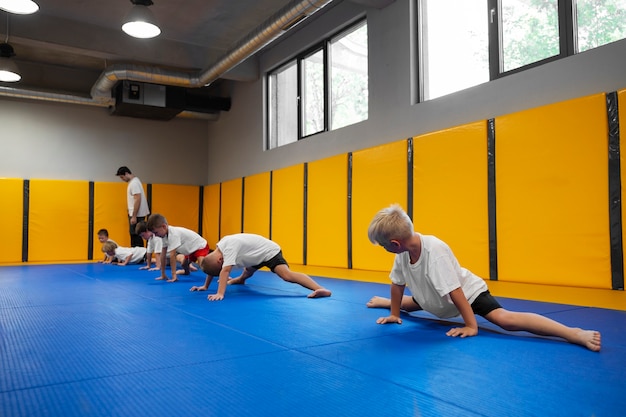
(102, 340)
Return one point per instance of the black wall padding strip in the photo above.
(409, 179)
(349, 210)
(219, 216)
(149, 196)
(615, 194)
(271, 200)
(200, 208)
(25, 211)
(491, 197)
(305, 212)
(90, 227)
(243, 198)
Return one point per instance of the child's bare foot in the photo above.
(379, 302)
(319, 293)
(588, 338)
(192, 268)
(236, 281)
(182, 272)
(161, 278)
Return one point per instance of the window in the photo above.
(322, 89)
(467, 42)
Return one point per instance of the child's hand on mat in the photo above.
(215, 297)
(389, 319)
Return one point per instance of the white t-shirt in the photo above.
(183, 240)
(435, 274)
(135, 187)
(155, 244)
(136, 253)
(246, 249)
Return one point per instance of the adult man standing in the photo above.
(138, 208)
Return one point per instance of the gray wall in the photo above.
(236, 140)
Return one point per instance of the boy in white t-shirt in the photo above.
(103, 236)
(153, 249)
(177, 240)
(124, 256)
(442, 287)
(251, 252)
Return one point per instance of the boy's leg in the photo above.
(408, 304)
(241, 279)
(184, 263)
(304, 280)
(543, 326)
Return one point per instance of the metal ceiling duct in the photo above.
(283, 20)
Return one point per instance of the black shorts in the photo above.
(482, 305)
(273, 263)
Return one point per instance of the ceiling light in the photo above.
(8, 69)
(140, 22)
(19, 6)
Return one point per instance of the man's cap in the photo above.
(123, 171)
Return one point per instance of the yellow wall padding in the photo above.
(178, 203)
(288, 212)
(327, 212)
(211, 214)
(256, 204)
(552, 194)
(11, 213)
(110, 211)
(58, 220)
(450, 192)
(379, 179)
(231, 207)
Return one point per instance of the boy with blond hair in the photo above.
(442, 287)
(124, 256)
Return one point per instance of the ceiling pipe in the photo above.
(267, 32)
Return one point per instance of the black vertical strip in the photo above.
(149, 196)
(219, 216)
(349, 214)
(243, 197)
(409, 178)
(25, 225)
(200, 209)
(491, 197)
(305, 212)
(91, 215)
(271, 194)
(615, 194)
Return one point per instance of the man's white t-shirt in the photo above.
(135, 187)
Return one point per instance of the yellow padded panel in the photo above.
(327, 212)
(256, 204)
(58, 220)
(552, 194)
(231, 207)
(288, 212)
(379, 179)
(178, 203)
(211, 214)
(11, 213)
(450, 192)
(110, 212)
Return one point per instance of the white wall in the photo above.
(61, 141)
(236, 140)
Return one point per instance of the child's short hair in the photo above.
(390, 223)
(104, 232)
(209, 266)
(141, 227)
(156, 220)
(109, 246)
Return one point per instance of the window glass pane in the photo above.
(530, 32)
(313, 94)
(454, 46)
(283, 106)
(600, 22)
(349, 77)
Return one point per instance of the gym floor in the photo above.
(102, 340)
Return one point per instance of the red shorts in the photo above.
(199, 253)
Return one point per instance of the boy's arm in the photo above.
(163, 257)
(157, 262)
(125, 262)
(172, 264)
(148, 261)
(397, 292)
(222, 283)
(464, 307)
(207, 282)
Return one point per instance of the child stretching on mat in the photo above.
(251, 252)
(103, 236)
(154, 247)
(124, 256)
(177, 240)
(442, 287)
